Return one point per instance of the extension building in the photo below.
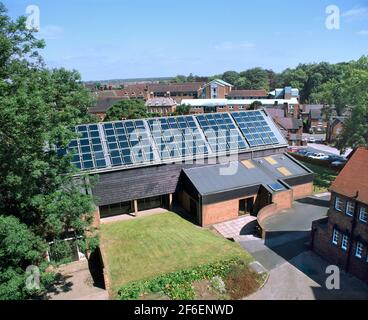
(214, 166)
(342, 237)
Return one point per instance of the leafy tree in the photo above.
(183, 109)
(180, 79)
(39, 109)
(127, 109)
(255, 105)
(230, 77)
(257, 77)
(19, 249)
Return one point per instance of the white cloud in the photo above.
(363, 33)
(355, 13)
(228, 45)
(50, 32)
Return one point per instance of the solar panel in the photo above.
(177, 137)
(128, 142)
(255, 128)
(221, 132)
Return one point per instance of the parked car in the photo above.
(312, 139)
(336, 158)
(293, 149)
(319, 156)
(303, 152)
(338, 163)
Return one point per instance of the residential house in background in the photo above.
(342, 237)
(290, 126)
(102, 105)
(334, 128)
(163, 106)
(317, 123)
(176, 91)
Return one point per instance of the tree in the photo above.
(230, 77)
(127, 109)
(183, 109)
(257, 77)
(255, 105)
(39, 109)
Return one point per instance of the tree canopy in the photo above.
(39, 196)
(127, 109)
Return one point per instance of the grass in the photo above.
(147, 247)
(323, 177)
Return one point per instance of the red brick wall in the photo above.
(302, 191)
(222, 211)
(283, 200)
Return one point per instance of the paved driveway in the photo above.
(295, 272)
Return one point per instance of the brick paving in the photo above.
(235, 228)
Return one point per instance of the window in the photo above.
(335, 237)
(349, 208)
(359, 250)
(345, 242)
(338, 204)
(363, 216)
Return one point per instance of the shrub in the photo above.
(178, 285)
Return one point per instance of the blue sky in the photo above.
(109, 39)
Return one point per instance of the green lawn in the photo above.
(150, 246)
(323, 177)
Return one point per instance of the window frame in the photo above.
(359, 248)
(365, 214)
(335, 237)
(339, 200)
(348, 206)
(345, 240)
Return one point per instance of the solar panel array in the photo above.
(255, 128)
(177, 137)
(221, 132)
(133, 142)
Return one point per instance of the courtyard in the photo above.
(148, 247)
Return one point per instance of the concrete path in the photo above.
(300, 216)
(295, 273)
(76, 283)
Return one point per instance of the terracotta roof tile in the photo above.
(353, 179)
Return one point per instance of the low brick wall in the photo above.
(264, 214)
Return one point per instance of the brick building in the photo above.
(215, 166)
(163, 106)
(334, 128)
(317, 123)
(247, 94)
(342, 237)
(216, 89)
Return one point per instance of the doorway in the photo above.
(246, 206)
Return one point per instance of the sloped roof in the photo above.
(161, 102)
(175, 87)
(352, 181)
(104, 104)
(289, 123)
(275, 112)
(248, 93)
(316, 114)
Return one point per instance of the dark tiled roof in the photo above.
(316, 114)
(289, 123)
(104, 104)
(248, 93)
(175, 87)
(275, 112)
(308, 107)
(353, 179)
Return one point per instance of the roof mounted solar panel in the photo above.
(257, 128)
(178, 138)
(221, 132)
